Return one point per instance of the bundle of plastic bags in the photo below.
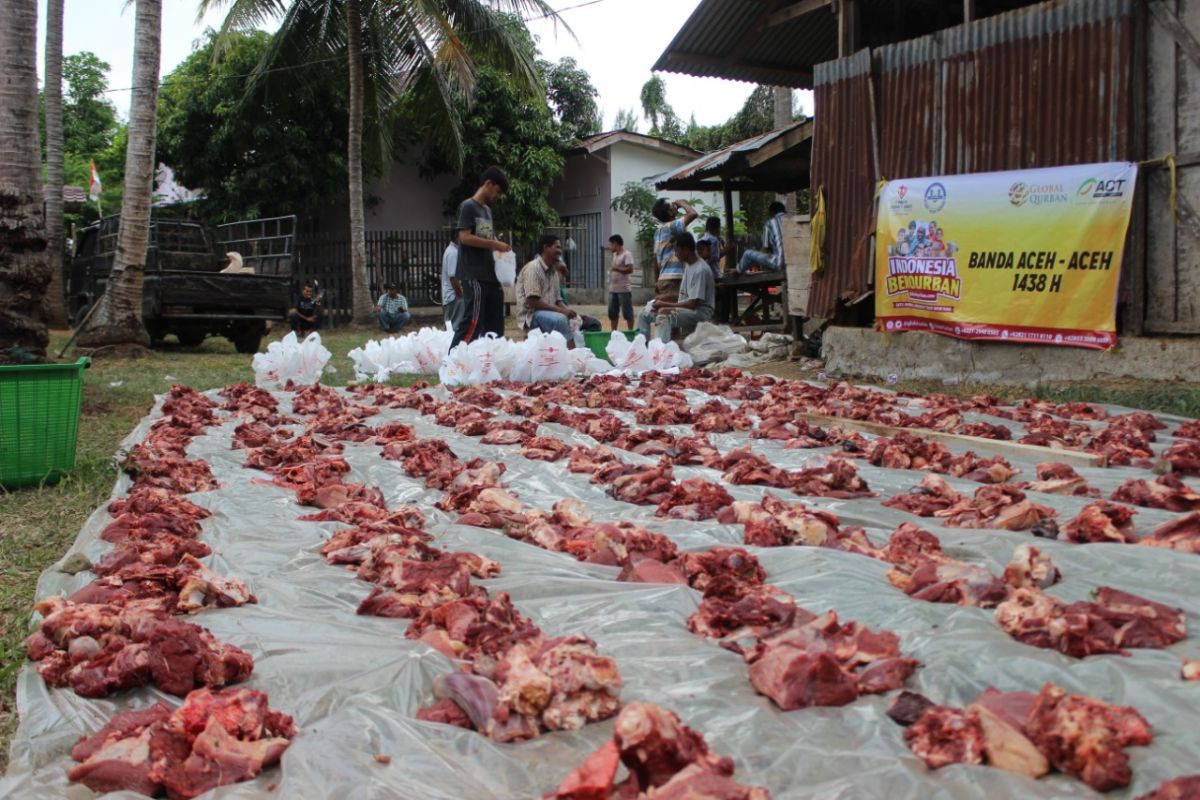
(636, 356)
(417, 353)
(711, 343)
(540, 357)
(289, 359)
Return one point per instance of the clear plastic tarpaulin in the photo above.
(354, 683)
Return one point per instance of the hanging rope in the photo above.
(817, 222)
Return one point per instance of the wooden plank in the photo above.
(1073, 457)
(1182, 36)
(796, 10)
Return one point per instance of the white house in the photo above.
(595, 172)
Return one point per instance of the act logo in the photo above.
(935, 197)
(1018, 193)
(1099, 189)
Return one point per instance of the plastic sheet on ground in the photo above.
(354, 683)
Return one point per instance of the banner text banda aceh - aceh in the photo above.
(1025, 256)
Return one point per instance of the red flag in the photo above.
(95, 187)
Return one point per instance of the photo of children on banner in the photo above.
(921, 240)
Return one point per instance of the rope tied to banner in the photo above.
(816, 225)
(1167, 161)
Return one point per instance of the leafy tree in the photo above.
(572, 97)
(626, 120)
(279, 154)
(89, 117)
(428, 49)
(636, 201)
(512, 126)
(664, 122)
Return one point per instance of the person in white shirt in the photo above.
(452, 303)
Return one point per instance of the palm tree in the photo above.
(23, 270)
(56, 307)
(391, 47)
(117, 319)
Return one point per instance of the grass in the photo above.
(37, 525)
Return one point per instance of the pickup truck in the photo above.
(185, 292)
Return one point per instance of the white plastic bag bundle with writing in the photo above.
(628, 356)
(506, 268)
(667, 357)
(291, 360)
(584, 362)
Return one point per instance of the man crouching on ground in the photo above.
(539, 304)
(697, 296)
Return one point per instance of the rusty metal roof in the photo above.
(600, 141)
(773, 161)
(779, 42)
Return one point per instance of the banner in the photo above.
(1029, 256)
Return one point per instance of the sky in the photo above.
(616, 42)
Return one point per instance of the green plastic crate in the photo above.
(596, 341)
(39, 421)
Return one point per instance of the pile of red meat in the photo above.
(1001, 506)
(1027, 734)
(663, 758)
(213, 739)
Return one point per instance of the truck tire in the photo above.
(190, 338)
(248, 340)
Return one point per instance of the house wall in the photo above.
(406, 201)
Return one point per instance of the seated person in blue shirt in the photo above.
(305, 316)
(392, 310)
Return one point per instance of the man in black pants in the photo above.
(483, 299)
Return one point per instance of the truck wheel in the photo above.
(190, 338)
(248, 340)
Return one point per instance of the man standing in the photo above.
(670, 226)
(697, 295)
(452, 304)
(391, 309)
(620, 296)
(539, 304)
(771, 256)
(483, 299)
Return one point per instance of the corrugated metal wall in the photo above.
(1044, 86)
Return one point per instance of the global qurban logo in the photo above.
(1099, 189)
(935, 197)
(1036, 194)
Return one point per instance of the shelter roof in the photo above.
(776, 161)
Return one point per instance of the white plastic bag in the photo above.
(710, 343)
(506, 267)
(547, 358)
(626, 356)
(289, 359)
(667, 357)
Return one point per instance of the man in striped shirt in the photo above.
(392, 310)
(771, 256)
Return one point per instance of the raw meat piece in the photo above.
(1166, 492)
(1057, 478)
(704, 567)
(838, 478)
(1181, 533)
(985, 430)
(1116, 620)
(163, 549)
(211, 740)
(1085, 737)
(1189, 430)
(909, 547)
(644, 442)
(445, 712)
(743, 466)
(291, 452)
(1191, 669)
(150, 500)
(648, 486)
(1006, 746)
(795, 679)
(951, 582)
(253, 434)
(776, 523)
(943, 736)
(590, 459)
(1100, 522)
(907, 451)
(736, 610)
(152, 468)
(544, 448)
(931, 495)
(693, 450)
(665, 760)
(668, 410)
(1184, 456)
(907, 707)
(473, 627)
(971, 467)
(1003, 507)
(1122, 441)
(694, 499)
(1186, 788)
(1030, 567)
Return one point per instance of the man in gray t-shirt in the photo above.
(697, 295)
(483, 299)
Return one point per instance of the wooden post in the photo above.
(968, 10)
(729, 229)
(847, 12)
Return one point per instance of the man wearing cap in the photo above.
(392, 310)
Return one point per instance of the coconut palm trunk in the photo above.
(23, 270)
(118, 319)
(56, 307)
(362, 305)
